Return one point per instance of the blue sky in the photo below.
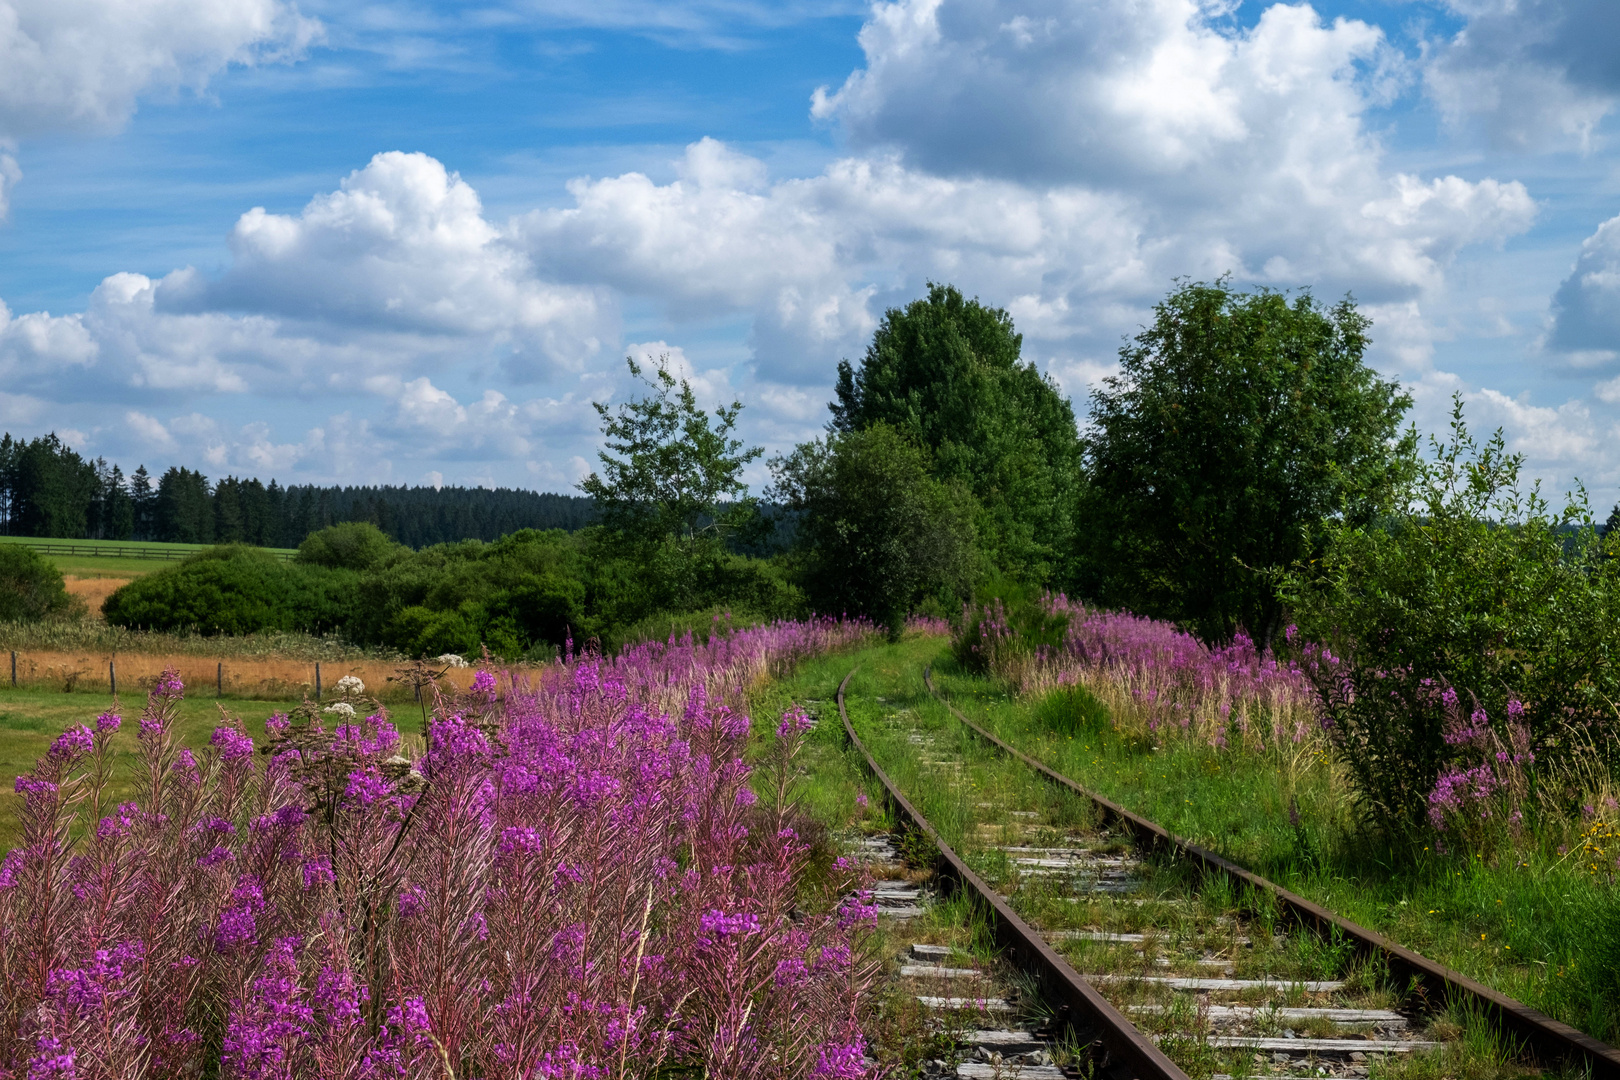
(412, 242)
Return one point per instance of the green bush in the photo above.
(30, 587)
(879, 533)
(1478, 589)
(236, 589)
(522, 595)
(350, 545)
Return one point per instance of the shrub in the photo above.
(236, 589)
(523, 594)
(1478, 599)
(350, 545)
(30, 587)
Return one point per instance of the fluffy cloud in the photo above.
(401, 248)
(82, 65)
(1586, 320)
(1110, 93)
(1538, 72)
(395, 274)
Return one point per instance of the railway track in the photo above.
(1134, 954)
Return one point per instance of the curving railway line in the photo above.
(1150, 957)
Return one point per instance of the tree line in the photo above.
(48, 490)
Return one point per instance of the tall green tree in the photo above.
(1239, 425)
(879, 533)
(143, 503)
(184, 507)
(670, 488)
(947, 372)
(53, 489)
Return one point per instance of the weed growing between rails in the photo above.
(1156, 682)
(568, 883)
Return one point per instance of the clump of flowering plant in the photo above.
(567, 880)
(1156, 680)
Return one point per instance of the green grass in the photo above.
(1531, 925)
(31, 719)
(106, 562)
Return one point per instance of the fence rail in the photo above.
(103, 551)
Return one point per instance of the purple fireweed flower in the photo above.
(367, 786)
(108, 722)
(484, 683)
(794, 721)
(169, 684)
(232, 745)
(266, 1028)
(215, 857)
(54, 1061)
(716, 924)
(858, 910)
(338, 997)
(519, 839)
(72, 744)
(841, 1060)
(238, 925)
(318, 871)
(120, 823)
(185, 764)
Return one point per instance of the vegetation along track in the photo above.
(1137, 954)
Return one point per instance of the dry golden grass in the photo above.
(234, 676)
(93, 590)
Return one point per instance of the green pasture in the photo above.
(31, 719)
(112, 558)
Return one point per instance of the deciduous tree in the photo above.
(879, 532)
(947, 372)
(1239, 425)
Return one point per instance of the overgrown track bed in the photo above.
(1108, 919)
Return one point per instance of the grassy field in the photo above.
(108, 558)
(31, 719)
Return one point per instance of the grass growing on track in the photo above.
(1535, 928)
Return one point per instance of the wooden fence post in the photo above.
(219, 680)
(112, 675)
(14, 669)
(317, 681)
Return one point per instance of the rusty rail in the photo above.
(1078, 1002)
(1549, 1040)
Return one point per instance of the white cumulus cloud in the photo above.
(81, 65)
(1586, 308)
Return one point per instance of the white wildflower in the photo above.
(350, 684)
(450, 659)
(342, 708)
